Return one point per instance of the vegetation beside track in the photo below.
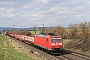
(76, 36)
(81, 46)
(8, 52)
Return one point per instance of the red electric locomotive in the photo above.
(52, 44)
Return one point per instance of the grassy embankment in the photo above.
(8, 52)
(78, 45)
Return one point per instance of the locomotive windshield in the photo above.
(55, 39)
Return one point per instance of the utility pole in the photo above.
(13, 27)
(42, 28)
(34, 28)
(23, 27)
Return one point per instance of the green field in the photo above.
(8, 52)
(37, 32)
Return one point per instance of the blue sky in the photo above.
(27, 13)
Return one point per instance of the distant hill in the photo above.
(30, 28)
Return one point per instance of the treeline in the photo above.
(23, 32)
(74, 31)
(0, 32)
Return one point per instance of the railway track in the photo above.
(67, 54)
(72, 55)
(81, 55)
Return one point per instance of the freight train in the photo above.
(48, 42)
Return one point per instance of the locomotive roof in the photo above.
(45, 35)
(41, 35)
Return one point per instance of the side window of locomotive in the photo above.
(55, 39)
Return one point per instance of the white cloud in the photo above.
(81, 15)
(88, 17)
(88, 2)
(44, 1)
(59, 9)
(27, 6)
(10, 15)
(78, 7)
(36, 15)
(35, 19)
(6, 3)
(10, 10)
(2, 9)
(26, 15)
(31, 15)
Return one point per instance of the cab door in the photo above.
(47, 43)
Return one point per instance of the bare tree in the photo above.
(89, 24)
(73, 30)
(60, 30)
(84, 29)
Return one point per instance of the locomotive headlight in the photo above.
(60, 43)
(53, 44)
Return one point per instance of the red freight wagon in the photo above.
(17, 36)
(29, 40)
(21, 37)
(50, 43)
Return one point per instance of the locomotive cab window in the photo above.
(55, 39)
